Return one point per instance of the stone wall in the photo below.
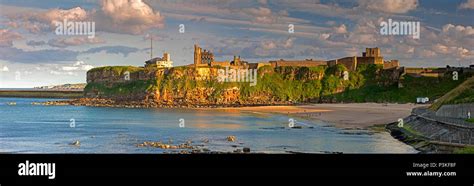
(369, 60)
(349, 62)
(440, 132)
(456, 111)
(391, 64)
(301, 63)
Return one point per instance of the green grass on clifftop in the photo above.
(465, 150)
(413, 87)
(117, 69)
(464, 93)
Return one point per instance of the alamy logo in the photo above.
(75, 28)
(237, 75)
(37, 169)
(400, 28)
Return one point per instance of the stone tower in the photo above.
(372, 52)
(197, 55)
(166, 57)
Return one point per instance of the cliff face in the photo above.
(187, 86)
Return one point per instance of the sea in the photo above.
(32, 128)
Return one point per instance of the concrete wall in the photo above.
(456, 111)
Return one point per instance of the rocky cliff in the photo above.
(188, 86)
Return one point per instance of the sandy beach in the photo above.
(352, 115)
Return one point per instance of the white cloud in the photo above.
(116, 16)
(342, 29)
(389, 6)
(75, 69)
(458, 30)
(469, 4)
(77, 66)
(73, 14)
(128, 16)
(4, 69)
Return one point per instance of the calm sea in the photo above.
(27, 128)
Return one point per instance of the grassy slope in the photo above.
(414, 87)
(464, 93)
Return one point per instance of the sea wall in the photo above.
(440, 131)
(456, 111)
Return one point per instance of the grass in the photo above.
(465, 150)
(470, 120)
(464, 93)
(117, 69)
(411, 130)
(414, 87)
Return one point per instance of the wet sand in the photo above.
(352, 115)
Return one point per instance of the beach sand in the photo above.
(352, 115)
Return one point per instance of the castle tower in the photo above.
(166, 57)
(197, 55)
(236, 61)
(372, 52)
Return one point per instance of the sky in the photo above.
(32, 53)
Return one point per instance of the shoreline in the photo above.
(59, 94)
(341, 115)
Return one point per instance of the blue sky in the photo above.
(31, 54)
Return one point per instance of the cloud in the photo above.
(77, 66)
(113, 50)
(115, 16)
(128, 16)
(35, 57)
(4, 69)
(71, 68)
(342, 29)
(35, 43)
(263, 2)
(73, 14)
(469, 4)
(7, 37)
(271, 48)
(74, 41)
(389, 6)
(459, 30)
(261, 15)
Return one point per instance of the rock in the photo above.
(246, 149)
(231, 138)
(237, 151)
(76, 143)
(165, 146)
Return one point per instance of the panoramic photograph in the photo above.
(236, 77)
